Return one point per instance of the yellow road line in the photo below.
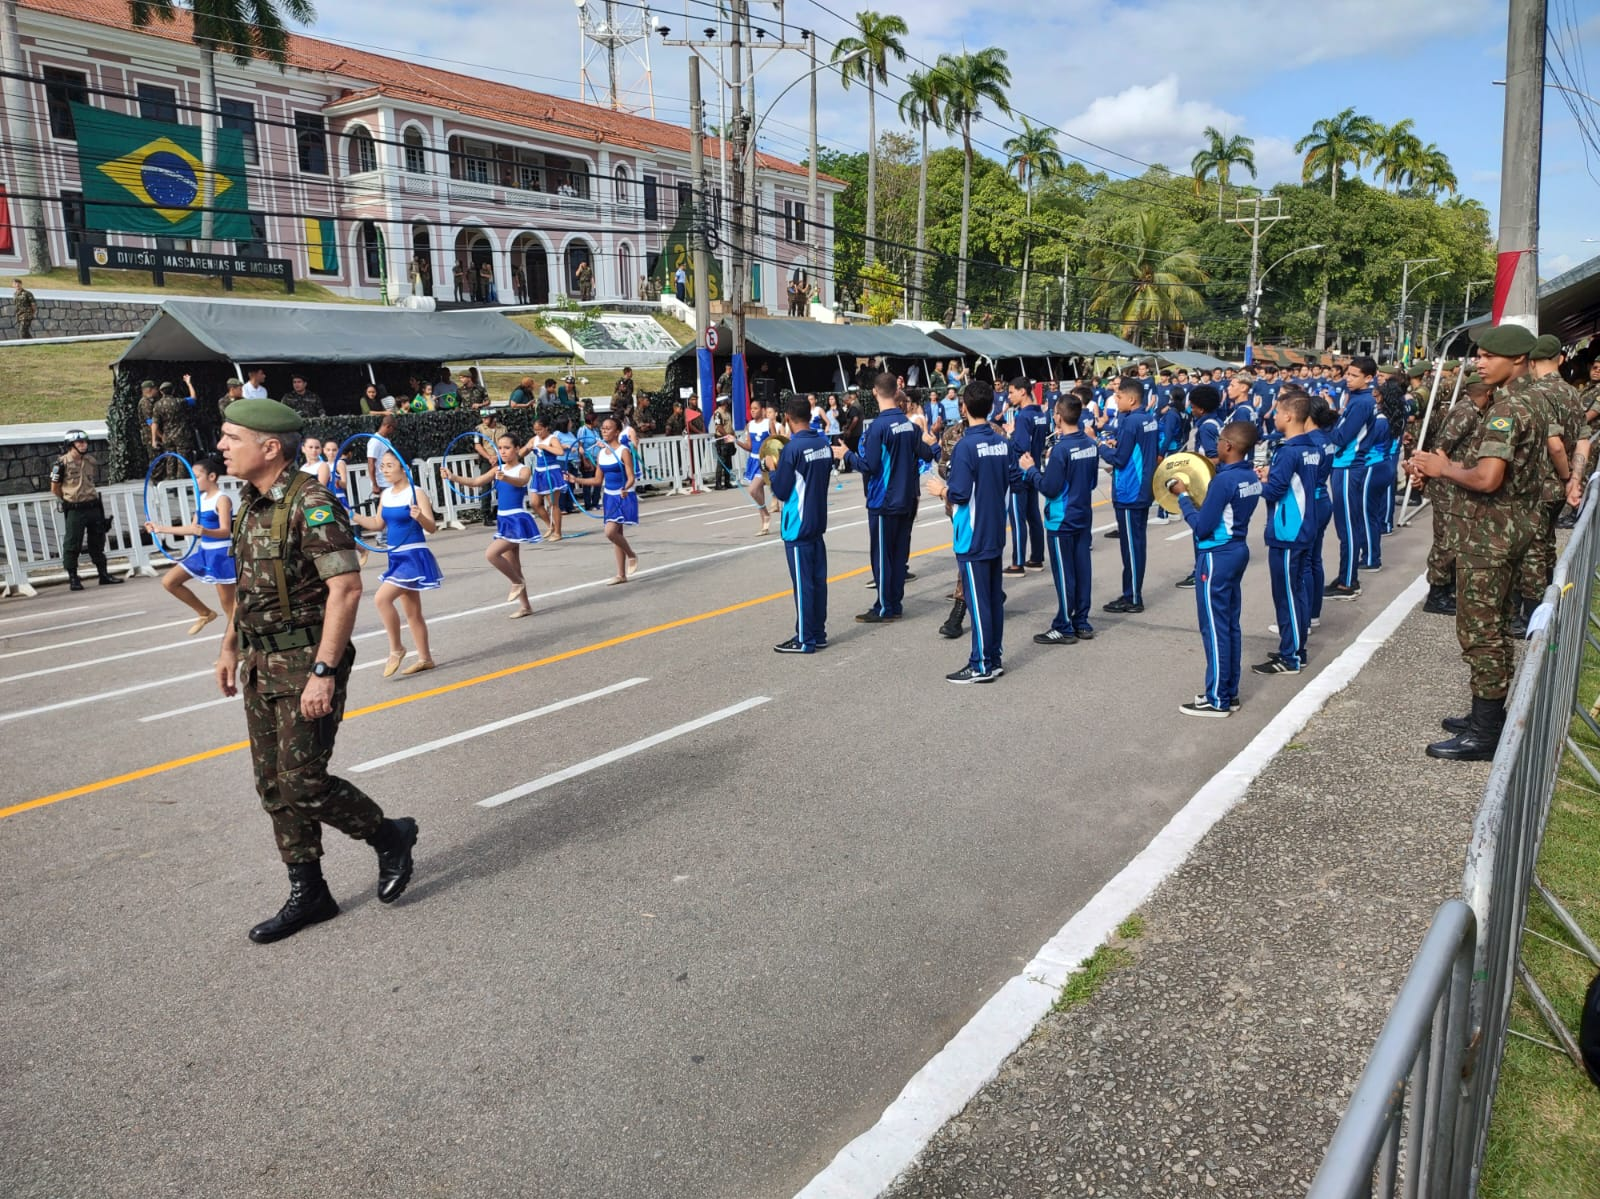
(401, 701)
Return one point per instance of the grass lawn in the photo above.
(59, 382)
(1544, 1136)
(66, 279)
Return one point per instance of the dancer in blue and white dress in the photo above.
(549, 476)
(614, 475)
(514, 526)
(756, 430)
(211, 560)
(406, 517)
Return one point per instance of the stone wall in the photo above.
(71, 318)
(26, 468)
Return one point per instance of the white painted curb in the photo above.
(938, 1091)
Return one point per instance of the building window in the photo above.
(685, 194)
(371, 250)
(416, 155)
(652, 201)
(72, 222)
(471, 160)
(622, 191)
(256, 246)
(530, 178)
(158, 103)
(62, 89)
(566, 181)
(363, 154)
(625, 271)
(311, 142)
(794, 221)
(240, 116)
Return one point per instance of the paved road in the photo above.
(698, 969)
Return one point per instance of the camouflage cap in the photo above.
(234, 383)
(263, 416)
(1506, 341)
(1547, 346)
(147, 383)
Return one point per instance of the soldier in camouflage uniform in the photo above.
(1590, 394)
(1567, 428)
(288, 646)
(1456, 438)
(471, 395)
(307, 403)
(147, 415)
(1500, 498)
(23, 308)
(174, 431)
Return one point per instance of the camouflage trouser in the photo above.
(1442, 554)
(290, 757)
(1539, 567)
(1484, 590)
(172, 468)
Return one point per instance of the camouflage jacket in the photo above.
(24, 304)
(147, 416)
(1498, 524)
(174, 424)
(308, 404)
(1456, 438)
(473, 396)
(317, 545)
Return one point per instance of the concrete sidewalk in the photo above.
(1220, 1060)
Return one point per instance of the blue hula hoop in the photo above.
(464, 497)
(372, 482)
(156, 537)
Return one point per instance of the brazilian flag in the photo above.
(322, 246)
(146, 177)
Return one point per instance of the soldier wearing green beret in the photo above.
(1568, 458)
(288, 647)
(1501, 492)
(1456, 438)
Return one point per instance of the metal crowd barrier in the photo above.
(1446, 1121)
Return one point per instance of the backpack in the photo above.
(1589, 1031)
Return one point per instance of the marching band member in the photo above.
(1067, 482)
(547, 477)
(1220, 526)
(1028, 430)
(211, 559)
(619, 502)
(406, 517)
(1290, 489)
(800, 484)
(1131, 453)
(514, 525)
(756, 430)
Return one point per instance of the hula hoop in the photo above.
(460, 495)
(372, 481)
(194, 539)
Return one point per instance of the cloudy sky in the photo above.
(1127, 83)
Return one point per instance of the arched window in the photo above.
(624, 191)
(625, 271)
(371, 250)
(416, 152)
(580, 270)
(363, 154)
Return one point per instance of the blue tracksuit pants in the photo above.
(808, 571)
(890, 534)
(1291, 600)
(1022, 514)
(1378, 492)
(1348, 484)
(1315, 575)
(986, 604)
(1069, 568)
(1218, 574)
(1131, 523)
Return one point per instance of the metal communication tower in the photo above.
(610, 45)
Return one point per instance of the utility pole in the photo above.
(737, 208)
(812, 215)
(1516, 300)
(1255, 221)
(697, 237)
(29, 187)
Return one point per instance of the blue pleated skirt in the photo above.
(414, 568)
(517, 526)
(211, 563)
(621, 508)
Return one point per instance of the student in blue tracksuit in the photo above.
(1373, 487)
(1350, 440)
(1221, 554)
(800, 483)
(890, 450)
(1067, 483)
(1323, 418)
(1169, 424)
(981, 472)
(1131, 452)
(1204, 402)
(1264, 398)
(1029, 427)
(1290, 489)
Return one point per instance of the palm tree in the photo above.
(1218, 158)
(16, 122)
(922, 105)
(880, 38)
(968, 81)
(1033, 154)
(1334, 141)
(1395, 149)
(1142, 281)
(242, 29)
(1433, 172)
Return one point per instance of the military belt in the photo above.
(282, 642)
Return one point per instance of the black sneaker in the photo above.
(873, 616)
(1013, 570)
(1274, 665)
(1034, 565)
(1123, 604)
(1201, 706)
(1234, 705)
(1055, 637)
(1338, 591)
(1083, 633)
(967, 675)
(1187, 583)
(1372, 570)
(1113, 534)
(792, 646)
(872, 583)
(911, 576)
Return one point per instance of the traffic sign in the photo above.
(711, 337)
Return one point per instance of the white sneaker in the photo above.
(1316, 622)
(1272, 628)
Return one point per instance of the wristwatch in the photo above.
(322, 670)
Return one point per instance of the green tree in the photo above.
(883, 296)
(1032, 154)
(1217, 160)
(879, 41)
(1144, 278)
(1332, 142)
(969, 81)
(242, 29)
(920, 107)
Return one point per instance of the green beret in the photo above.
(1472, 377)
(1417, 369)
(1508, 341)
(263, 416)
(1547, 346)
(1452, 364)
(147, 383)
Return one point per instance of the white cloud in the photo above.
(1150, 122)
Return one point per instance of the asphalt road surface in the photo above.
(728, 903)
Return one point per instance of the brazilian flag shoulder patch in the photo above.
(320, 515)
(1501, 424)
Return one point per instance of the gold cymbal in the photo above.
(1196, 472)
(772, 450)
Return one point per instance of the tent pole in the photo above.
(788, 361)
(371, 377)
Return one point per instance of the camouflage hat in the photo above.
(263, 416)
(1507, 341)
(147, 383)
(1548, 346)
(235, 383)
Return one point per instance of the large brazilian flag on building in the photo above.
(146, 177)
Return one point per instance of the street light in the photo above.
(1405, 294)
(1466, 308)
(1253, 308)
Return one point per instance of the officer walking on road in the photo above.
(72, 481)
(288, 646)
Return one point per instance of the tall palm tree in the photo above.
(1334, 141)
(1395, 150)
(1142, 280)
(17, 123)
(1033, 155)
(241, 29)
(1219, 157)
(922, 105)
(1433, 172)
(880, 39)
(969, 81)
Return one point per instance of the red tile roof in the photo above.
(401, 81)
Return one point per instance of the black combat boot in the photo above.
(393, 841)
(74, 583)
(1521, 612)
(108, 579)
(310, 902)
(1477, 743)
(1441, 600)
(951, 628)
